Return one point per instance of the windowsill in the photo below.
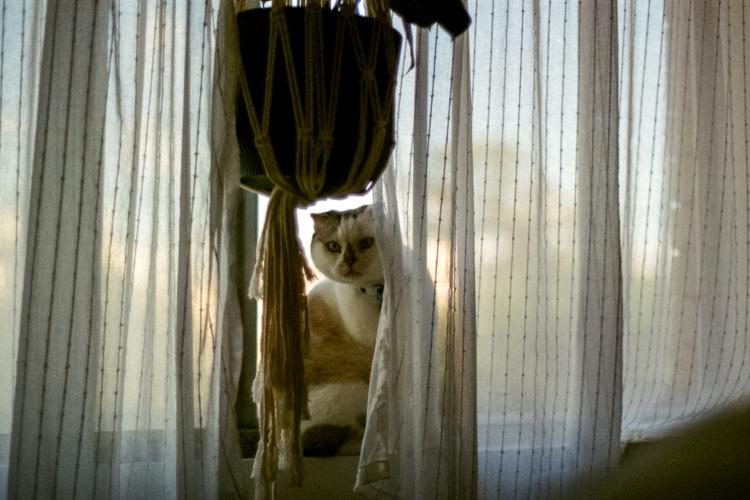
(325, 479)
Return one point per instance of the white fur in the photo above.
(348, 271)
(358, 311)
(341, 404)
(343, 291)
(328, 400)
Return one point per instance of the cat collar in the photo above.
(374, 291)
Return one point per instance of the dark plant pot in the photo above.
(354, 124)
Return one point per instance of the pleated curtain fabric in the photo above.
(686, 219)
(120, 183)
(603, 177)
(420, 440)
(566, 233)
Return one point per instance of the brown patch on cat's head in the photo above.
(343, 246)
(326, 222)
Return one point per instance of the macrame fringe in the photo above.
(280, 280)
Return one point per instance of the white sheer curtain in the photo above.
(687, 213)
(570, 179)
(570, 211)
(420, 439)
(117, 198)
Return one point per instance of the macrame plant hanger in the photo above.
(314, 120)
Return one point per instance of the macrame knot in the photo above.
(263, 144)
(305, 133)
(325, 136)
(262, 140)
(381, 124)
(368, 74)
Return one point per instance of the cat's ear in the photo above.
(366, 212)
(324, 220)
(364, 209)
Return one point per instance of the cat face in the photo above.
(343, 247)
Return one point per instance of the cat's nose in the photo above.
(350, 258)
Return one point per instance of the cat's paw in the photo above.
(324, 440)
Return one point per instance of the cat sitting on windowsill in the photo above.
(343, 316)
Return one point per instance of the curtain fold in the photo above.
(549, 287)
(687, 262)
(565, 230)
(607, 147)
(420, 440)
(598, 339)
(119, 377)
(61, 277)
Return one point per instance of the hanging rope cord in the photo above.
(281, 268)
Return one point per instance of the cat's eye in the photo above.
(366, 243)
(333, 246)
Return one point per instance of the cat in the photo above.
(343, 312)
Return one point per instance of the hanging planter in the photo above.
(314, 120)
(321, 86)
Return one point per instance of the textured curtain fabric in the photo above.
(117, 199)
(686, 220)
(570, 180)
(566, 234)
(420, 440)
